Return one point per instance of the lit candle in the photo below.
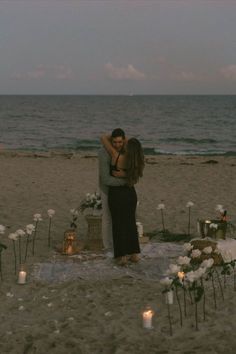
(147, 319)
(22, 277)
(181, 275)
(169, 297)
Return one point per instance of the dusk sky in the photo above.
(118, 46)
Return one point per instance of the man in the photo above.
(106, 180)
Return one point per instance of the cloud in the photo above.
(60, 72)
(124, 73)
(229, 72)
(186, 76)
(37, 73)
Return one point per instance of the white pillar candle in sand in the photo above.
(139, 228)
(22, 277)
(170, 297)
(147, 319)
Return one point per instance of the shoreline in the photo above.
(94, 153)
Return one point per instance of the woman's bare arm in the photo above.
(106, 142)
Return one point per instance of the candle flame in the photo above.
(148, 313)
(181, 275)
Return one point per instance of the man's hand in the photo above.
(119, 173)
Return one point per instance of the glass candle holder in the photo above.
(22, 274)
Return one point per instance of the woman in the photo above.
(122, 200)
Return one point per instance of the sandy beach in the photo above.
(99, 308)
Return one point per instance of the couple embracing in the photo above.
(121, 164)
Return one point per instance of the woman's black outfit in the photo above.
(122, 202)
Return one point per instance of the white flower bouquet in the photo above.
(92, 204)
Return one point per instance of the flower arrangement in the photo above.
(92, 202)
(187, 278)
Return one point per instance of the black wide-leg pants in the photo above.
(122, 203)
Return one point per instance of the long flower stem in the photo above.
(196, 315)
(214, 290)
(224, 281)
(220, 285)
(185, 307)
(34, 237)
(169, 318)
(14, 250)
(234, 279)
(204, 301)
(26, 246)
(49, 232)
(180, 309)
(1, 265)
(20, 249)
(162, 219)
(190, 295)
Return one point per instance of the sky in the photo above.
(117, 47)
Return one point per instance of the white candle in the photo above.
(147, 319)
(22, 277)
(198, 228)
(139, 228)
(170, 297)
(206, 227)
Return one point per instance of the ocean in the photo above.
(180, 125)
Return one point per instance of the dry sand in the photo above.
(98, 310)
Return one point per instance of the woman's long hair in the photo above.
(134, 161)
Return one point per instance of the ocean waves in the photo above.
(166, 125)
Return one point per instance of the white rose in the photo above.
(51, 213)
(183, 260)
(38, 217)
(196, 253)
(13, 236)
(173, 269)
(29, 229)
(190, 276)
(207, 263)
(161, 206)
(207, 250)
(187, 247)
(20, 232)
(199, 272)
(166, 281)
